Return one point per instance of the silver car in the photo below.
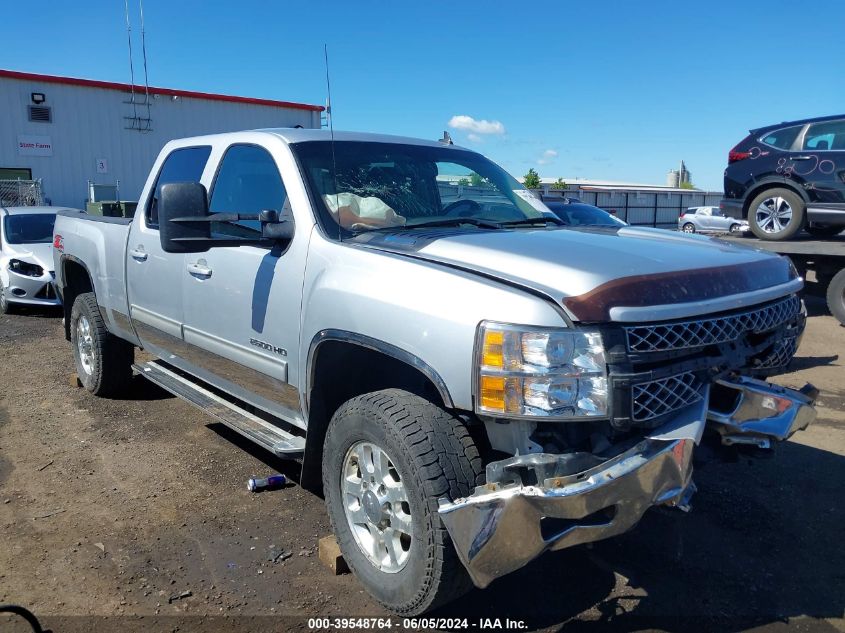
(26, 257)
(709, 220)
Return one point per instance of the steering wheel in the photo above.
(465, 208)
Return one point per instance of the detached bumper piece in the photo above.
(748, 411)
(507, 523)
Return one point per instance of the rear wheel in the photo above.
(689, 227)
(776, 214)
(824, 231)
(103, 361)
(836, 296)
(734, 228)
(389, 456)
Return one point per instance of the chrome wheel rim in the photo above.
(688, 228)
(85, 344)
(774, 214)
(375, 502)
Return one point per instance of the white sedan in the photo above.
(26, 257)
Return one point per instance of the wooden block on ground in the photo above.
(74, 381)
(331, 557)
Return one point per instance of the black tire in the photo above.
(111, 357)
(689, 227)
(836, 296)
(6, 306)
(795, 224)
(435, 457)
(734, 228)
(824, 231)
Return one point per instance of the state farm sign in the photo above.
(34, 145)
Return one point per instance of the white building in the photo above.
(67, 131)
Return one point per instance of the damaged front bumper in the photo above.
(539, 502)
(749, 411)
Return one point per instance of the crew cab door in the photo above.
(242, 304)
(153, 277)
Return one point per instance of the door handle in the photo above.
(138, 254)
(199, 269)
(802, 157)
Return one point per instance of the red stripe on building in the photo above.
(170, 92)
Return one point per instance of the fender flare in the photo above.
(770, 182)
(368, 342)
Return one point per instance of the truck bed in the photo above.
(92, 240)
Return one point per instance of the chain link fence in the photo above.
(21, 193)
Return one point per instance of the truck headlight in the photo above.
(545, 372)
(25, 268)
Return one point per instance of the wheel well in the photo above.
(342, 370)
(754, 192)
(76, 281)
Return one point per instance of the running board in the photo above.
(247, 424)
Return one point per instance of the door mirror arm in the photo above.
(273, 228)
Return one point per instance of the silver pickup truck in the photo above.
(468, 383)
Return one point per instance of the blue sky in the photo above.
(606, 90)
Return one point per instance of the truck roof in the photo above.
(302, 135)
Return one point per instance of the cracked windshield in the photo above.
(386, 186)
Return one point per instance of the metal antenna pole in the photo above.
(144, 52)
(131, 66)
(331, 132)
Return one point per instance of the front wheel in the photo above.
(389, 456)
(836, 296)
(776, 214)
(5, 305)
(689, 227)
(103, 361)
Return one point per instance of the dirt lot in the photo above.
(110, 508)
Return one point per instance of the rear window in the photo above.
(783, 138)
(181, 165)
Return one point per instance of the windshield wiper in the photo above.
(546, 219)
(484, 224)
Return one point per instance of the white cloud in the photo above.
(548, 156)
(474, 138)
(483, 126)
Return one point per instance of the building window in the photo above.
(40, 114)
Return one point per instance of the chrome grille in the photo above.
(658, 397)
(781, 354)
(701, 332)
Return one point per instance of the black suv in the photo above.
(788, 177)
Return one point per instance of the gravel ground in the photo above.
(133, 514)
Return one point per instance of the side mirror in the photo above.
(183, 201)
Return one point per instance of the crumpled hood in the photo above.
(41, 254)
(591, 270)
